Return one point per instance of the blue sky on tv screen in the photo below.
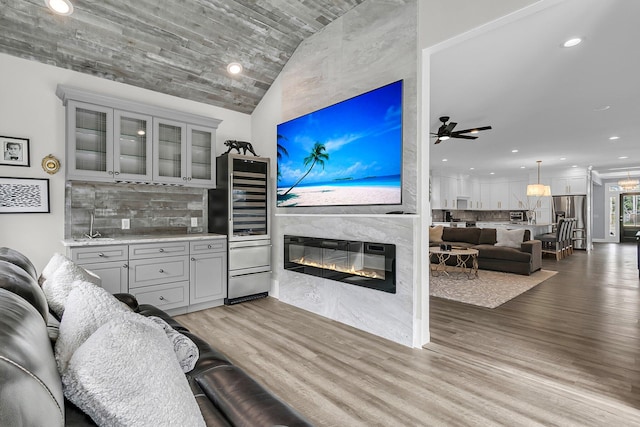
(362, 136)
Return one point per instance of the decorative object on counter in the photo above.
(628, 184)
(15, 151)
(239, 145)
(538, 190)
(50, 164)
(24, 195)
(490, 289)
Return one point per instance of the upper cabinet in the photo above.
(561, 186)
(110, 139)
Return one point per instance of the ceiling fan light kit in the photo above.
(445, 131)
(538, 190)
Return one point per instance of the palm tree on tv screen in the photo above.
(282, 151)
(318, 155)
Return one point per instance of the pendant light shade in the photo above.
(538, 190)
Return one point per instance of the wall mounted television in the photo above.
(346, 154)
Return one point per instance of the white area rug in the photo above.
(491, 289)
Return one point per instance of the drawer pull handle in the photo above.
(193, 259)
(125, 266)
(161, 250)
(101, 254)
(161, 271)
(209, 246)
(161, 298)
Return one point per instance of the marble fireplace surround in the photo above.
(381, 313)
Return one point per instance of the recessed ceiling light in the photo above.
(572, 42)
(563, 158)
(613, 138)
(574, 166)
(514, 151)
(445, 160)
(234, 68)
(623, 157)
(61, 7)
(602, 108)
(471, 169)
(522, 167)
(492, 173)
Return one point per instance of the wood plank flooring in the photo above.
(566, 353)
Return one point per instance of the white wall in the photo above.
(30, 109)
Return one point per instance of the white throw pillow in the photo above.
(57, 287)
(509, 238)
(51, 267)
(87, 308)
(126, 374)
(186, 350)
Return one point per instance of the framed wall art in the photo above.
(15, 151)
(24, 195)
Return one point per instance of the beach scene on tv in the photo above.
(347, 154)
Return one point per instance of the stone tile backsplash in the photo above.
(151, 209)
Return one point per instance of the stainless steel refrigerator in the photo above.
(573, 207)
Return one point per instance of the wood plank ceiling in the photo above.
(177, 47)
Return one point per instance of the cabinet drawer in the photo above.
(204, 246)
(249, 257)
(168, 296)
(248, 284)
(146, 272)
(99, 254)
(156, 250)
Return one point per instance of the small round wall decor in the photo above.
(50, 164)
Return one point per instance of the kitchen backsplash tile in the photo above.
(151, 209)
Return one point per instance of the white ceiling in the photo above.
(541, 98)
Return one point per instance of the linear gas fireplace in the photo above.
(372, 265)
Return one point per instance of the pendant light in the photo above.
(628, 184)
(538, 190)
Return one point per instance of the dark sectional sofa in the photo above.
(31, 390)
(523, 260)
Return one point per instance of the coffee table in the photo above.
(466, 262)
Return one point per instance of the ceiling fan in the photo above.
(445, 131)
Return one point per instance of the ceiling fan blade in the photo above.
(473, 129)
(455, 135)
(438, 141)
(449, 127)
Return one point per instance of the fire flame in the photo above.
(334, 267)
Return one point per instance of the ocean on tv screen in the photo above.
(349, 153)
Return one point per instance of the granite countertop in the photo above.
(149, 238)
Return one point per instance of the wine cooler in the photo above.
(239, 208)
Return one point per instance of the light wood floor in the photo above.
(566, 353)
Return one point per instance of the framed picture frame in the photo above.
(24, 195)
(15, 151)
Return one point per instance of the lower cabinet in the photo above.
(177, 277)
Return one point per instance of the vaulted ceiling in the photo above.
(178, 47)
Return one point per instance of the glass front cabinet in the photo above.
(137, 143)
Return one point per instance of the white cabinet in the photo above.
(180, 276)
(494, 195)
(561, 186)
(436, 201)
(111, 139)
(448, 192)
(104, 144)
(518, 195)
(208, 271)
(108, 262)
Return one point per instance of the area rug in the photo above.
(490, 289)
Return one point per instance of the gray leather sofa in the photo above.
(31, 389)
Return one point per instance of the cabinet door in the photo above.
(559, 186)
(578, 185)
(114, 275)
(500, 195)
(201, 156)
(170, 151)
(132, 147)
(208, 277)
(518, 195)
(89, 142)
(436, 200)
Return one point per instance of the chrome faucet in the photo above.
(92, 234)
